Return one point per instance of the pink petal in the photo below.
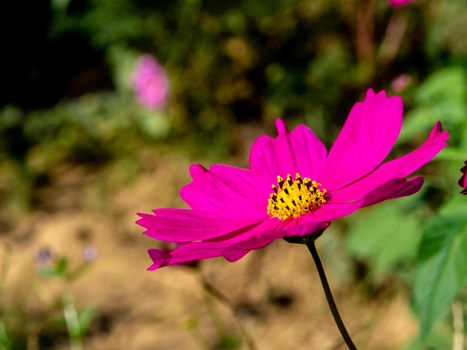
(150, 82)
(298, 151)
(332, 211)
(228, 190)
(234, 254)
(185, 225)
(281, 127)
(395, 188)
(395, 169)
(232, 248)
(303, 227)
(397, 3)
(463, 180)
(315, 221)
(365, 140)
(158, 257)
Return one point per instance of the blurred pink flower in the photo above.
(398, 3)
(294, 187)
(150, 82)
(463, 179)
(400, 83)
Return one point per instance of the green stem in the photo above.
(327, 291)
(72, 321)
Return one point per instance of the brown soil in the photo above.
(275, 291)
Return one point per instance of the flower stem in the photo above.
(327, 291)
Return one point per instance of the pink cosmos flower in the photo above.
(150, 83)
(463, 179)
(293, 187)
(397, 3)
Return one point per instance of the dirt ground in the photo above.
(276, 291)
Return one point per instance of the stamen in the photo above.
(290, 199)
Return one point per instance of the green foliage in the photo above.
(443, 96)
(93, 130)
(249, 60)
(78, 327)
(441, 263)
(229, 342)
(435, 340)
(61, 317)
(5, 342)
(385, 236)
(59, 269)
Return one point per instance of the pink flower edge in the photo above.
(228, 206)
(150, 83)
(463, 179)
(399, 3)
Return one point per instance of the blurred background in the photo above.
(105, 103)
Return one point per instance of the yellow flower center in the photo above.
(292, 198)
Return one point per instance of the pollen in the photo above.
(292, 198)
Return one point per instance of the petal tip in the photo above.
(160, 258)
(438, 130)
(281, 127)
(370, 93)
(197, 170)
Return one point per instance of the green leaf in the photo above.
(441, 264)
(59, 269)
(5, 343)
(85, 319)
(441, 97)
(453, 154)
(385, 236)
(61, 266)
(229, 342)
(48, 272)
(438, 339)
(447, 84)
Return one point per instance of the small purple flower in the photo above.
(397, 3)
(90, 253)
(44, 256)
(150, 83)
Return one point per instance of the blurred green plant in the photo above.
(19, 330)
(92, 131)
(77, 322)
(391, 247)
(441, 266)
(443, 96)
(422, 240)
(247, 61)
(5, 341)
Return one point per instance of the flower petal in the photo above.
(185, 225)
(393, 189)
(290, 152)
(231, 248)
(365, 140)
(332, 211)
(395, 169)
(463, 180)
(397, 3)
(304, 227)
(232, 191)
